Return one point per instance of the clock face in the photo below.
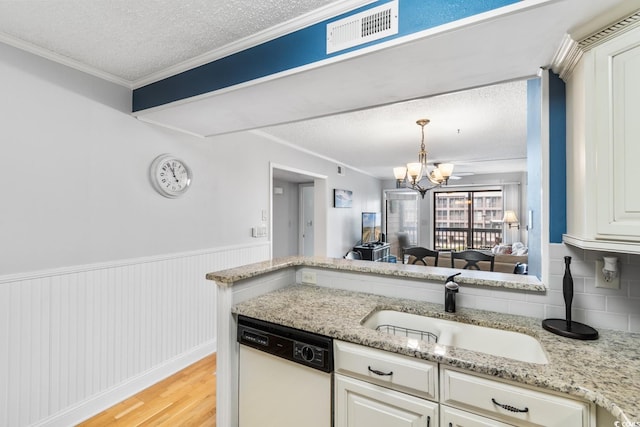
(170, 176)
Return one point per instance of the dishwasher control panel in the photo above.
(308, 353)
(315, 351)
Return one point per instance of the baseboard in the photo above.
(98, 403)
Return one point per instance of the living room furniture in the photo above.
(472, 258)
(374, 251)
(503, 263)
(521, 268)
(353, 255)
(420, 254)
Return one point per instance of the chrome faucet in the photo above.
(450, 291)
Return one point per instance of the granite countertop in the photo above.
(438, 274)
(605, 371)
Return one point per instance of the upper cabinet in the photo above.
(603, 140)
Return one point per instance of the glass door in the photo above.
(401, 220)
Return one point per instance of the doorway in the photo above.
(298, 212)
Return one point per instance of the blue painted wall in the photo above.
(299, 48)
(534, 174)
(557, 159)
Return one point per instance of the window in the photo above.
(467, 219)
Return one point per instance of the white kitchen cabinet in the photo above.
(509, 403)
(603, 130)
(376, 388)
(361, 404)
(451, 417)
(403, 373)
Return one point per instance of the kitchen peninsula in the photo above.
(331, 297)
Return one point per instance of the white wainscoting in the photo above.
(74, 341)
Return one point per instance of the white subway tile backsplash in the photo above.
(526, 309)
(634, 288)
(590, 287)
(551, 297)
(634, 324)
(511, 295)
(560, 251)
(599, 307)
(581, 269)
(589, 302)
(623, 305)
(601, 319)
(554, 312)
(492, 304)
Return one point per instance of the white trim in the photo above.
(293, 146)
(166, 126)
(430, 32)
(570, 51)
(95, 404)
(226, 365)
(118, 263)
(63, 60)
(280, 30)
(601, 245)
(313, 175)
(544, 177)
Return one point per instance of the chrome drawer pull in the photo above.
(509, 407)
(382, 374)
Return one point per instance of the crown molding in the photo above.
(280, 30)
(570, 51)
(63, 60)
(295, 24)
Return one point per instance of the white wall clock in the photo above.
(170, 176)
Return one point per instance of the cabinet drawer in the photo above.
(403, 373)
(502, 401)
(451, 417)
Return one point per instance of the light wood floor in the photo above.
(187, 398)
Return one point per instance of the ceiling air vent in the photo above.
(363, 27)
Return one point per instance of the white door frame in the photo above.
(320, 210)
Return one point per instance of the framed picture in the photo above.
(342, 198)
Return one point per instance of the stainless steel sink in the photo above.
(497, 342)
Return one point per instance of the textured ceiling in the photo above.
(483, 130)
(480, 130)
(133, 39)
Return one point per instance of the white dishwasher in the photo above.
(284, 375)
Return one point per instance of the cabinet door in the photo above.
(360, 404)
(617, 133)
(456, 418)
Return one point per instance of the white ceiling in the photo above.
(482, 130)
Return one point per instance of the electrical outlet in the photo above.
(260, 231)
(600, 282)
(309, 277)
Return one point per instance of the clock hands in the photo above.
(173, 172)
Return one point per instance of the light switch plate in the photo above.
(600, 282)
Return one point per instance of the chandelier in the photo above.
(414, 172)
